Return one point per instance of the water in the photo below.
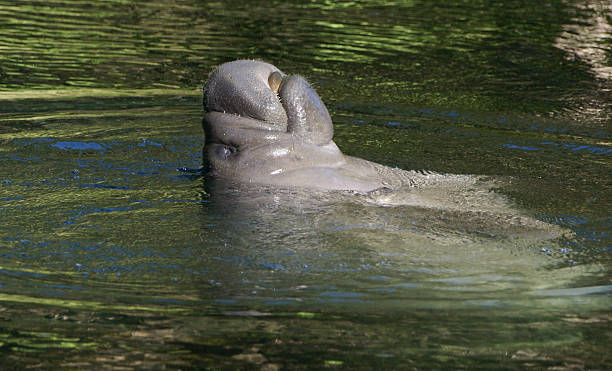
(116, 252)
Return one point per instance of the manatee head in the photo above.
(259, 91)
(263, 126)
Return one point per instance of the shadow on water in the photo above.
(115, 251)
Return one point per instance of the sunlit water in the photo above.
(116, 251)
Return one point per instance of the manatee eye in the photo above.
(275, 81)
(225, 151)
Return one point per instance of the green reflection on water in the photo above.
(30, 341)
(486, 55)
(81, 304)
(68, 93)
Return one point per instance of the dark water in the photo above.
(114, 252)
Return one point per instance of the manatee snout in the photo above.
(307, 116)
(260, 91)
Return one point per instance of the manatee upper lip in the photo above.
(247, 88)
(244, 128)
(275, 83)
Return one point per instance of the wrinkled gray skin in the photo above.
(265, 127)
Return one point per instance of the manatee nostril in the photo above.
(275, 81)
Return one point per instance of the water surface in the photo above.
(115, 251)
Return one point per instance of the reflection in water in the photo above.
(585, 38)
(587, 34)
(474, 58)
(110, 256)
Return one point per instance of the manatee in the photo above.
(265, 127)
(271, 129)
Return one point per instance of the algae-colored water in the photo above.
(115, 251)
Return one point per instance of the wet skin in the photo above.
(265, 127)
